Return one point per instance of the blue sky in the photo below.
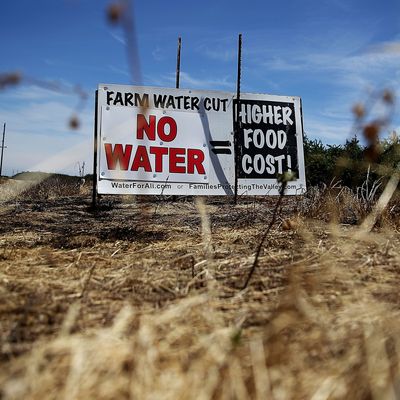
(331, 53)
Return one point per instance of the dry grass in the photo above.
(117, 305)
(146, 301)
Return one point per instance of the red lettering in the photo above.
(148, 127)
(176, 155)
(195, 158)
(180, 160)
(172, 129)
(141, 160)
(119, 156)
(158, 152)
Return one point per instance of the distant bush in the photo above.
(320, 161)
(348, 163)
(390, 157)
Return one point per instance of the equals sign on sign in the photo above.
(220, 146)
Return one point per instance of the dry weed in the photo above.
(149, 318)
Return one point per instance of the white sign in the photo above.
(174, 141)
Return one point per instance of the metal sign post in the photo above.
(178, 62)
(94, 191)
(2, 149)
(178, 72)
(237, 122)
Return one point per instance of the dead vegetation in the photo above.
(145, 301)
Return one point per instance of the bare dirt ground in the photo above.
(145, 300)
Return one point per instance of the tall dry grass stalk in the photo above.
(205, 228)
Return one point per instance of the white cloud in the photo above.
(329, 130)
(120, 39)
(219, 52)
(26, 93)
(206, 83)
(66, 161)
(190, 82)
(118, 70)
(364, 68)
(44, 153)
(158, 54)
(38, 135)
(222, 48)
(278, 63)
(387, 48)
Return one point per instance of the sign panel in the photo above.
(175, 141)
(153, 145)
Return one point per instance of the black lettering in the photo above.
(186, 102)
(118, 99)
(109, 97)
(142, 101)
(178, 100)
(159, 100)
(224, 101)
(195, 103)
(128, 99)
(207, 103)
(170, 102)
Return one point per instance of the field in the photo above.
(145, 299)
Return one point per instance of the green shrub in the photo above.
(348, 163)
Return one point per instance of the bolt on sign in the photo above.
(175, 141)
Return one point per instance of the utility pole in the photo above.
(2, 149)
